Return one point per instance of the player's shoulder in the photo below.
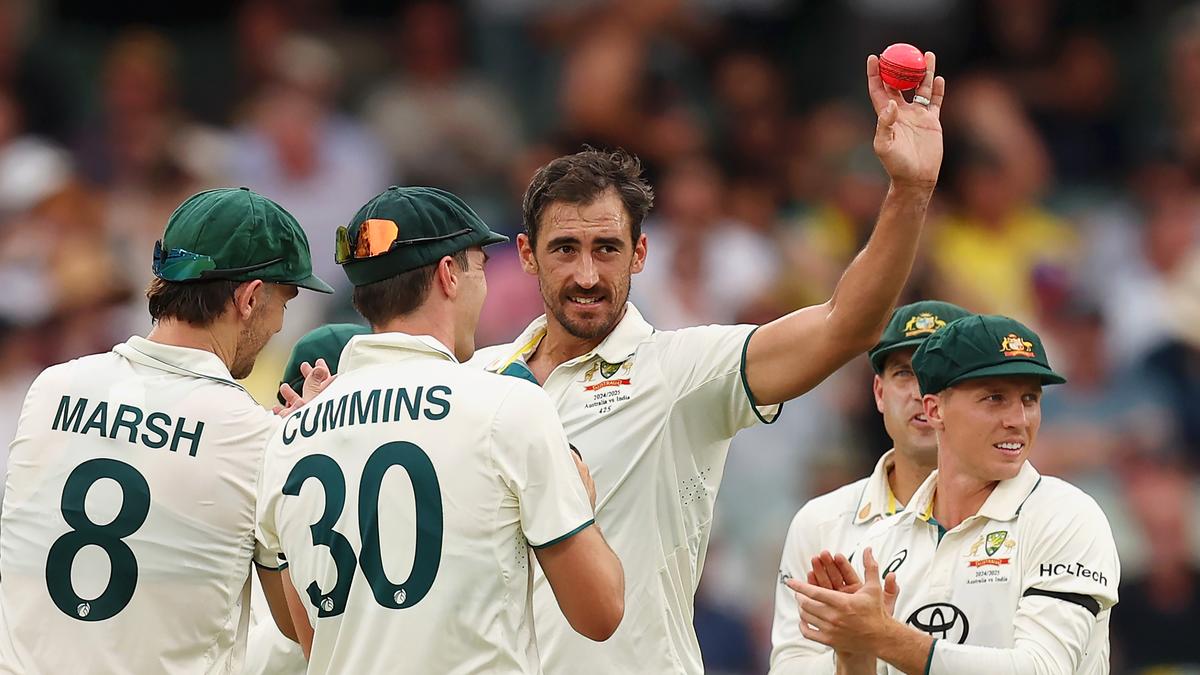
(709, 334)
(487, 356)
(83, 366)
(1057, 504)
(836, 505)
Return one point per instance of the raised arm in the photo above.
(793, 354)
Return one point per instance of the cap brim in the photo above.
(1012, 368)
(878, 356)
(313, 283)
(493, 238)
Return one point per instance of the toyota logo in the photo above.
(941, 620)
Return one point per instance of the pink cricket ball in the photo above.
(902, 66)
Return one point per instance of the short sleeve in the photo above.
(534, 458)
(267, 550)
(706, 366)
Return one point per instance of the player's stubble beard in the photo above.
(592, 329)
(251, 340)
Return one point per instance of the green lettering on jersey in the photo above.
(131, 424)
(154, 424)
(69, 421)
(360, 408)
(442, 403)
(334, 417)
(98, 420)
(411, 404)
(193, 436)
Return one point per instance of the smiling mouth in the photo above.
(585, 300)
(1010, 447)
(919, 418)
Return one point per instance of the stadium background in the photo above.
(1068, 199)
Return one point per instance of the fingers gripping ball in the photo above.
(902, 66)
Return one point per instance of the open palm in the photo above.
(908, 137)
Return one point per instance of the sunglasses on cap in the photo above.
(178, 264)
(376, 237)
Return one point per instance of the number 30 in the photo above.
(428, 554)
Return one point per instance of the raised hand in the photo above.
(316, 379)
(908, 137)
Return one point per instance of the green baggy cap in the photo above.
(430, 225)
(980, 346)
(235, 234)
(910, 325)
(324, 342)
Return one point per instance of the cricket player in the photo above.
(406, 498)
(1000, 571)
(836, 521)
(653, 412)
(129, 512)
(268, 651)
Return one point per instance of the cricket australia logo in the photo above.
(993, 543)
(923, 324)
(1015, 345)
(608, 374)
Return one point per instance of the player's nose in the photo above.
(586, 275)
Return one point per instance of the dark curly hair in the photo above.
(581, 178)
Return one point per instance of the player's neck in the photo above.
(959, 496)
(906, 475)
(436, 325)
(558, 347)
(213, 338)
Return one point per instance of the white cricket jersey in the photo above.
(652, 413)
(405, 498)
(128, 523)
(833, 522)
(1026, 585)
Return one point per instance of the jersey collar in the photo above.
(618, 346)
(184, 361)
(1003, 504)
(387, 348)
(877, 499)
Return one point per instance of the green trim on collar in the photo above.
(518, 369)
(566, 536)
(1035, 486)
(941, 531)
(746, 384)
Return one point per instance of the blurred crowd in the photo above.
(1069, 199)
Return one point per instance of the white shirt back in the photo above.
(405, 499)
(128, 522)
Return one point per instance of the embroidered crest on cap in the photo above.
(1014, 345)
(922, 324)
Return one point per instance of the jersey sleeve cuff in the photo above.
(772, 411)
(929, 659)
(564, 537)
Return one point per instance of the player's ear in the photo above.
(639, 255)
(246, 297)
(934, 411)
(877, 387)
(446, 276)
(525, 251)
